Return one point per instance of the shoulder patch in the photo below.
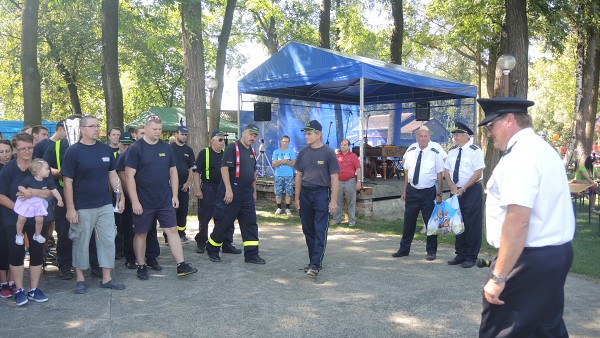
(411, 149)
(453, 147)
(474, 147)
(435, 150)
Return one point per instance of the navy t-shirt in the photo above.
(247, 163)
(50, 156)
(11, 177)
(316, 166)
(152, 163)
(40, 148)
(88, 166)
(31, 182)
(214, 165)
(185, 160)
(121, 161)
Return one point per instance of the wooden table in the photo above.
(381, 151)
(576, 190)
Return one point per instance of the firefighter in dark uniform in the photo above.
(207, 177)
(236, 198)
(185, 162)
(463, 171)
(423, 168)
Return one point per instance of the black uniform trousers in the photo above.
(152, 246)
(417, 200)
(534, 296)
(181, 212)
(241, 208)
(468, 244)
(314, 215)
(64, 245)
(206, 207)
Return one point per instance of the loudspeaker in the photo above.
(422, 111)
(262, 111)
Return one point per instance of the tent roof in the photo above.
(172, 117)
(304, 72)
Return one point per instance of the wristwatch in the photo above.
(497, 279)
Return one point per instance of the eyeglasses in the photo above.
(25, 149)
(94, 126)
(490, 124)
(220, 139)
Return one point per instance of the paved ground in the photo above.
(362, 292)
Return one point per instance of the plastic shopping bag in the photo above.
(445, 218)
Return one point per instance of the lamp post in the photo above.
(211, 84)
(506, 63)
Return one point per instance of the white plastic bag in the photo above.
(446, 218)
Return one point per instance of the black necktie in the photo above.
(417, 168)
(456, 166)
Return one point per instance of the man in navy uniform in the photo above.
(185, 162)
(463, 171)
(316, 193)
(207, 177)
(423, 167)
(529, 218)
(236, 198)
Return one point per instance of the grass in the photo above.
(586, 244)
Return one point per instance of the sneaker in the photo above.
(306, 268)
(112, 284)
(214, 258)
(39, 238)
(142, 272)
(21, 297)
(65, 273)
(5, 291)
(153, 264)
(255, 260)
(13, 288)
(49, 255)
(200, 248)
(185, 269)
(184, 240)
(37, 295)
(278, 211)
(80, 288)
(288, 212)
(230, 249)
(312, 273)
(19, 239)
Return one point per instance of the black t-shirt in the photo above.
(317, 166)
(40, 148)
(152, 163)
(88, 166)
(247, 162)
(50, 157)
(11, 177)
(214, 165)
(185, 160)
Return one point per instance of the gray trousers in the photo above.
(347, 192)
(103, 220)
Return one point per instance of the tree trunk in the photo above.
(71, 87)
(518, 46)
(193, 64)
(395, 56)
(269, 36)
(30, 75)
(215, 104)
(113, 93)
(325, 24)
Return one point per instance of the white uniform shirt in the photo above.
(471, 160)
(531, 174)
(432, 163)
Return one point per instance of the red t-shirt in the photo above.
(348, 165)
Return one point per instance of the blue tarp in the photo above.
(9, 128)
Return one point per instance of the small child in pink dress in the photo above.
(35, 206)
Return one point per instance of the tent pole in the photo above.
(238, 115)
(361, 128)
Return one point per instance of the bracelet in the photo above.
(497, 279)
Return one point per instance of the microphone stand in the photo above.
(328, 132)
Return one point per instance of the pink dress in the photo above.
(31, 207)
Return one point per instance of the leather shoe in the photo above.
(468, 264)
(430, 257)
(153, 264)
(214, 258)
(231, 250)
(399, 254)
(255, 260)
(200, 249)
(456, 260)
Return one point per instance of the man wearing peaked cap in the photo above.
(463, 171)
(184, 155)
(533, 235)
(313, 125)
(252, 129)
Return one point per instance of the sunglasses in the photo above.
(152, 118)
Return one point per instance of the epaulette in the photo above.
(435, 150)
(411, 149)
(474, 147)
(453, 147)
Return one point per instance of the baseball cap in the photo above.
(126, 138)
(498, 106)
(313, 125)
(217, 133)
(253, 128)
(183, 130)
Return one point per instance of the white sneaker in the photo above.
(19, 239)
(39, 238)
(278, 211)
(288, 212)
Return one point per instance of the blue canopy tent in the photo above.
(303, 72)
